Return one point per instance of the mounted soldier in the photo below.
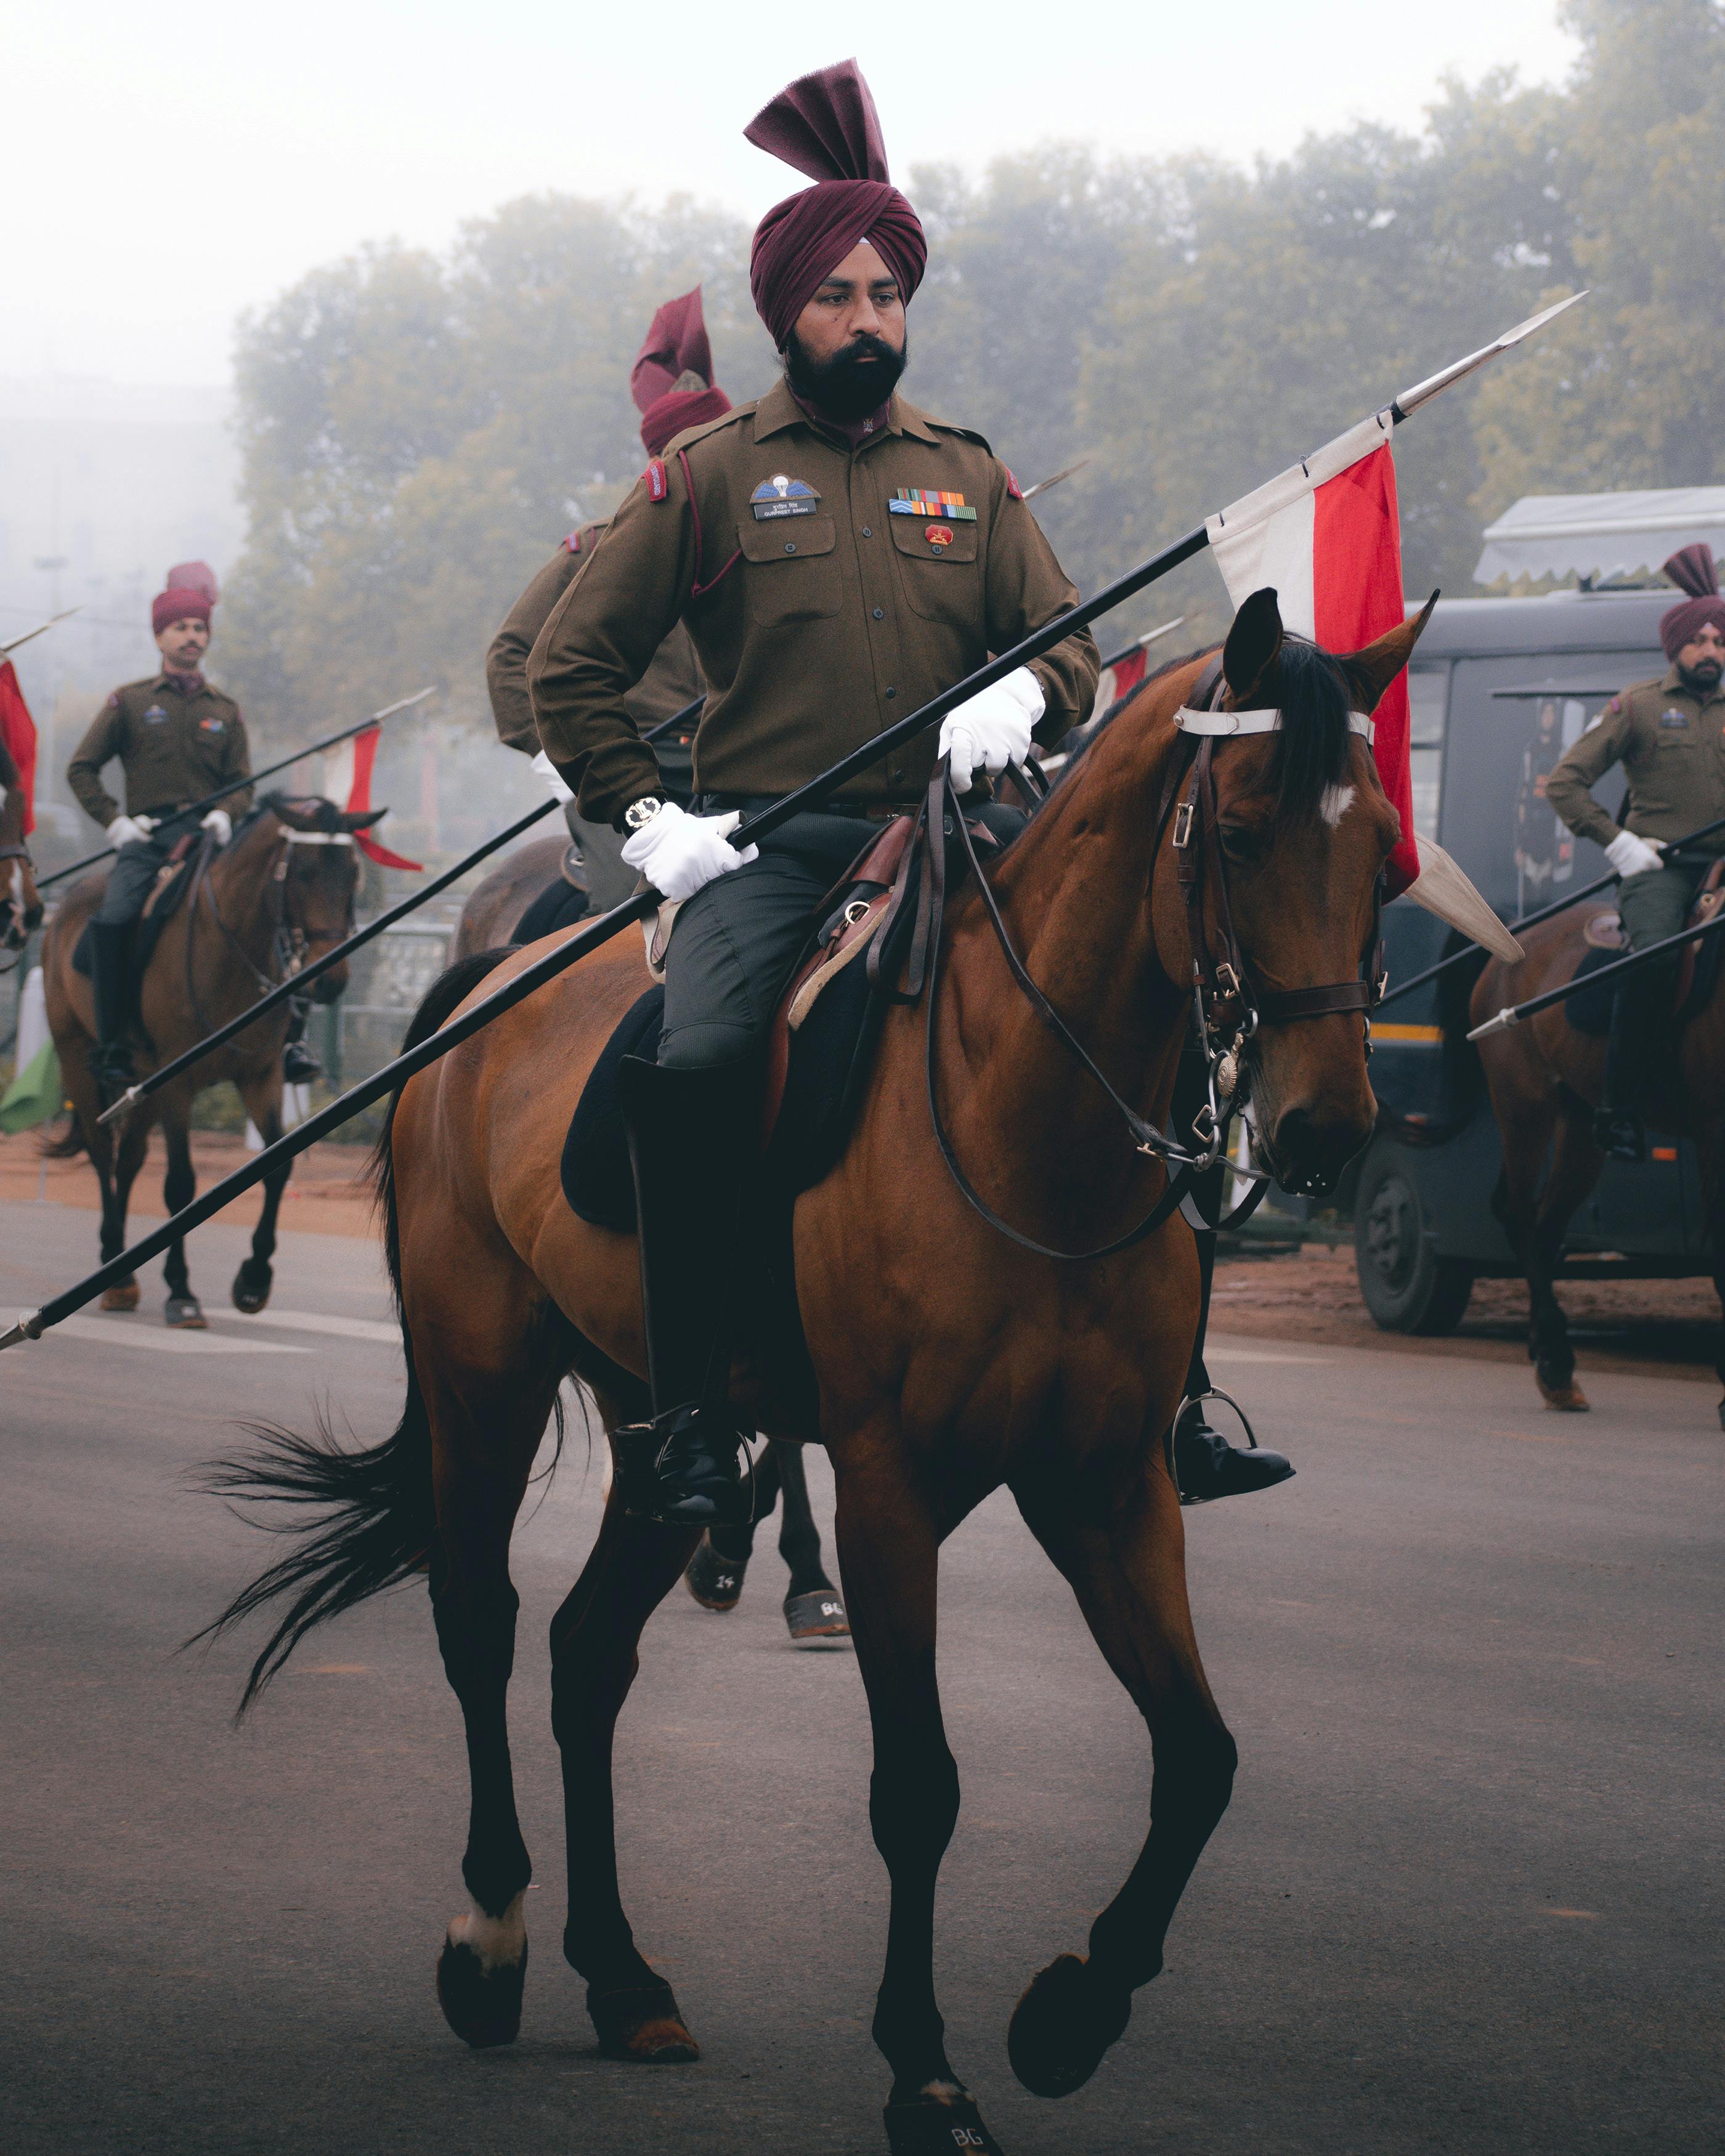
(838, 557)
(1669, 735)
(673, 387)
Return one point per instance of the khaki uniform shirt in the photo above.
(819, 613)
(671, 681)
(1671, 746)
(174, 744)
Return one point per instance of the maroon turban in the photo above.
(189, 595)
(825, 125)
(1690, 569)
(676, 347)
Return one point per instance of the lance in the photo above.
(1513, 1013)
(296, 983)
(1669, 847)
(252, 778)
(1141, 642)
(584, 940)
(41, 629)
(1054, 478)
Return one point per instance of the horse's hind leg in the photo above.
(1126, 1567)
(1574, 1170)
(594, 1636)
(117, 1174)
(715, 1574)
(179, 1187)
(813, 1609)
(256, 1276)
(1528, 1125)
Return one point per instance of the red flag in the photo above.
(1120, 679)
(359, 755)
(18, 735)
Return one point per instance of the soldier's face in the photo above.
(182, 643)
(1702, 658)
(860, 301)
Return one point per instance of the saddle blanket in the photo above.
(172, 881)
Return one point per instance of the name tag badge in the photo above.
(155, 717)
(782, 496)
(929, 502)
(1672, 720)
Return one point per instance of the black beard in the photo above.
(1701, 680)
(851, 384)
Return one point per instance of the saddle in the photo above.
(162, 902)
(821, 1042)
(1697, 965)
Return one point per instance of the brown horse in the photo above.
(1546, 1077)
(279, 893)
(938, 1359)
(20, 902)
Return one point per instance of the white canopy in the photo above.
(1600, 535)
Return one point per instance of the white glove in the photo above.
(547, 771)
(128, 830)
(221, 823)
(1632, 855)
(677, 853)
(993, 728)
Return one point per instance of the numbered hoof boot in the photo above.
(643, 2024)
(481, 2000)
(1062, 2025)
(122, 1296)
(817, 1620)
(715, 1581)
(252, 1285)
(938, 2125)
(1563, 1394)
(185, 1313)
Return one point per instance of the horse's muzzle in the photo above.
(1307, 1150)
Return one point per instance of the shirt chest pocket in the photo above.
(939, 571)
(791, 568)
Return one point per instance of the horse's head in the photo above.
(321, 870)
(20, 902)
(1277, 865)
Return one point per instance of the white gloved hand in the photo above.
(677, 853)
(1631, 855)
(545, 771)
(128, 830)
(993, 728)
(221, 823)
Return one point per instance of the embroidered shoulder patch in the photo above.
(1013, 488)
(780, 495)
(572, 544)
(658, 485)
(1615, 706)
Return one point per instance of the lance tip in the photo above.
(28, 1327)
(1504, 1020)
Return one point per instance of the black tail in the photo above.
(376, 1522)
(1464, 1074)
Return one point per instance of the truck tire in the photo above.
(1406, 1286)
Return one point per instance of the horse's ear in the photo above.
(360, 819)
(1254, 645)
(1373, 669)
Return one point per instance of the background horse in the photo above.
(20, 902)
(935, 1358)
(500, 898)
(1546, 1077)
(281, 892)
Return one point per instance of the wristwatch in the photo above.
(640, 813)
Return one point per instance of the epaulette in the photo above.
(690, 435)
(965, 433)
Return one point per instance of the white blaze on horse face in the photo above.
(500, 1941)
(1337, 802)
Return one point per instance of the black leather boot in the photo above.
(110, 984)
(1206, 1465)
(691, 1142)
(1619, 1131)
(299, 1065)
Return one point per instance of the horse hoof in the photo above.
(122, 1296)
(817, 1620)
(936, 2125)
(714, 1581)
(642, 2024)
(1062, 2025)
(1568, 1397)
(251, 1287)
(185, 1313)
(481, 2002)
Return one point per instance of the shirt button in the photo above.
(868, 532)
(879, 613)
(890, 694)
(790, 546)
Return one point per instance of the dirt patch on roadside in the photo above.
(1659, 1328)
(327, 1195)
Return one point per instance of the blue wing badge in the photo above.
(783, 496)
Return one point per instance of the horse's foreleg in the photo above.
(593, 1638)
(1575, 1162)
(116, 1170)
(179, 1187)
(1527, 1124)
(256, 1276)
(1126, 1567)
(812, 1607)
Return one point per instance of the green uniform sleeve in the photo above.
(84, 773)
(1580, 769)
(236, 763)
(600, 640)
(1027, 588)
(507, 661)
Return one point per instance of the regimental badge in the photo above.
(155, 717)
(929, 502)
(781, 496)
(939, 535)
(1671, 718)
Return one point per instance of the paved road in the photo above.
(1466, 1898)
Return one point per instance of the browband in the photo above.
(318, 837)
(1252, 722)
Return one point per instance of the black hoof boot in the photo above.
(930, 2125)
(482, 2005)
(1062, 2025)
(817, 1620)
(185, 1313)
(683, 1469)
(643, 2024)
(715, 1581)
(1619, 1136)
(252, 1285)
(1206, 1466)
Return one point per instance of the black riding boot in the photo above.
(691, 1142)
(299, 1065)
(1635, 1011)
(111, 981)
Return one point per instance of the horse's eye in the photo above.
(1240, 843)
